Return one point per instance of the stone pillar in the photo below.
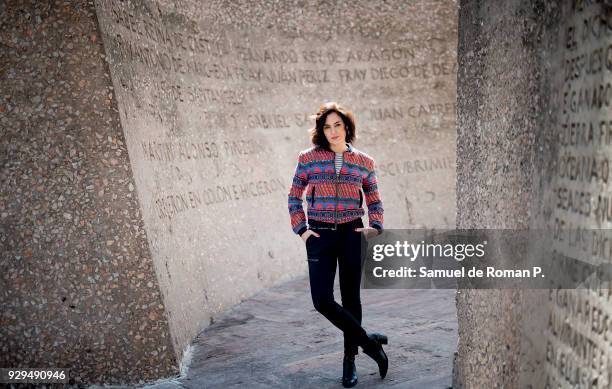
(77, 284)
(534, 99)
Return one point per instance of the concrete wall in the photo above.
(77, 285)
(522, 67)
(214, 102)
(185, 121)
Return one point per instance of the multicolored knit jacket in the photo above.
(334, 198)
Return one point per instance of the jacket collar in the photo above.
(349, 148)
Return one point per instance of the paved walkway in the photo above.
(277, 340)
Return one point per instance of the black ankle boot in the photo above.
(373, 349)
(349, 372)
(380, 338)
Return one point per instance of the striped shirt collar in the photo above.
(349, 148)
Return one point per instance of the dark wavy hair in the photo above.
(316, 133)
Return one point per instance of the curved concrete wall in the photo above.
(211, 104)
(214, 102)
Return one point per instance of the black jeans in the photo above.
(342, 245)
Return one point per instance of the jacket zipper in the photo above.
(336, 205)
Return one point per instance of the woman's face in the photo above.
(334, 130)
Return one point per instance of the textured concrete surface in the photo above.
(77, 285)
(497, 113)
(277, 340)
(533, 79)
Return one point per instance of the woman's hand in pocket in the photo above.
(306, 234)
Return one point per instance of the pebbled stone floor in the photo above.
(277, 340)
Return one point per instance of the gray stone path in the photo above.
(277, 340)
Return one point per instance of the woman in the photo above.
(335, 174)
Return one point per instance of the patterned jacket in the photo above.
(334, 198)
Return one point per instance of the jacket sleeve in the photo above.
(373, 200)
(296, 209)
